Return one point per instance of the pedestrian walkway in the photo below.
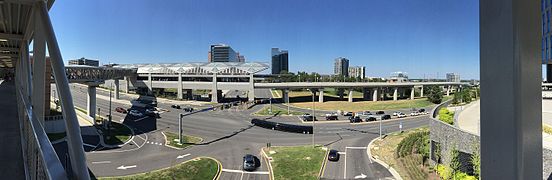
(11, 156)
(469, 120)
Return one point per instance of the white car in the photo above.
(396, 113)
(414, 113)
(401, 115)
(135, 113)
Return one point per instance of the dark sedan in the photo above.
(333, 155)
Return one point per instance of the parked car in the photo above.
(121, 110)
(396, 113)
(348, 114)
(308, 117)
(380, 113)
(371, 118)
(355, 119)
(176, 106)
(333, 155)
(188, 109)
(422, 111)
(401, 115)
(249, 162)
(385, 117)
(135, 112)
(331, 116)
(414, 113)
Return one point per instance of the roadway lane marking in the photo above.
(344, 153)
(123, 167)
(182, 156)
(246, 172)
(355, 147)
(101, 162)
(142, 118)
(88, 145)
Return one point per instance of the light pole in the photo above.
(270, 106)
(180, 127)
(109, 124)
(313, 117)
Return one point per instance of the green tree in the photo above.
(434, 94)
(476, 161)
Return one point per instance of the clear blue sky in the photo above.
(417, 37)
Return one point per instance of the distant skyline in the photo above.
(422, 38)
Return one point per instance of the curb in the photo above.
(392, 170)
(120, 145)
(169, 146)
(267, 161)
(323, 168)
(219, 172)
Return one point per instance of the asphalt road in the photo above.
(228, 135)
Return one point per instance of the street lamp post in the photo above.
(109, 124)
(270, 106)
(180, 127)
(313, 117)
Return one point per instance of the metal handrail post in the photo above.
(74, 140)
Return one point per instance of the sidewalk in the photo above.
(469, 120)
(11, 156)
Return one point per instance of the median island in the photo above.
(298, 162)
(172, 140)
(196, 169)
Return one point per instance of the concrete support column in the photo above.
(350, 95)
(395, 93)
(511, 101)
(179, 86)
(448, 90)
(150, 83)
(127, 82)
(116, 88)
(422, 91)
(38, 72)
(251, 92)
(375, 95)
(321, 95)
(285, 95)
(91, 101)
(214, 89)
(412, 93)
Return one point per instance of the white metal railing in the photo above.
(40, 158)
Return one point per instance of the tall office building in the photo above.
(222, 53)
(280, 61)
(241, 58)
(453, 77)
(546, 9)
(84, 61)
(357, 71)
(341, 66)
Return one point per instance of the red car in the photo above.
(121, 110)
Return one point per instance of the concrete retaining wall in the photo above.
(54, 124)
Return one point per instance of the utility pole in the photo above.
(270, 106)
(180, 127)
(313, 117)
(109, 124)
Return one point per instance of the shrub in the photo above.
(446, 116)
(444, 172)
(417, 142)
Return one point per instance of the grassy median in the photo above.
(366, 105)
(172, 140)
(197, 169)
(299, 162)
(118, 134)
(409, 166)
(265, 111)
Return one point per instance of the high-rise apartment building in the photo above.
(280, 61)
(546, 46)
(222, 53)
(453, 77)
(341, 66)
(84, 61)
(357, 71)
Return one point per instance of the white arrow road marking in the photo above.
(123, 167)
(182, 156)
(355, 147)
(341, 153)
(360, 176)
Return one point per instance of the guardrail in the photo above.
(40, 158)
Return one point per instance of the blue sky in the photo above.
(422, 38)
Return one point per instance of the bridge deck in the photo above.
(11, 156)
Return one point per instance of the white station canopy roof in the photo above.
(199, 68)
